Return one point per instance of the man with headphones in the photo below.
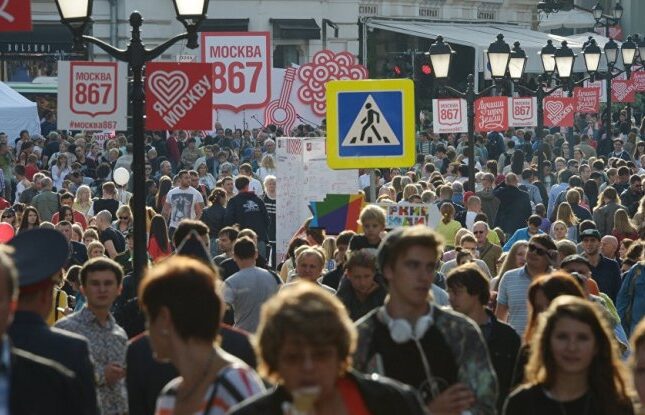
(437, 351)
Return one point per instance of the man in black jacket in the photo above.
(631, 197)
(469, 293)
(29, 384)
(514, 207)
(249, 211)
(39, 256)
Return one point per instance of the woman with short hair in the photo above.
(183, 332)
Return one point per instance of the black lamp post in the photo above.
(499, 54)
(592, 55)
(76, 14)
(604, 20)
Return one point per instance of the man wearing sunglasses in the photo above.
(514, 285)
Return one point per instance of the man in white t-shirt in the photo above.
(254, 184)
(183, 202)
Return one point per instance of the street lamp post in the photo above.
(609, 21)
(76, 15)
(499, 55)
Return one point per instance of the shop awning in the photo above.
(44, 40)
(295, 28)
(479, 36)
(224, 25)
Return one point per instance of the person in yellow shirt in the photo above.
(60, 307)
(448, 226)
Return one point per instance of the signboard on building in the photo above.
(241, 63)
(92, 95)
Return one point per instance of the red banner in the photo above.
(178, 96)
(15, 15)
(639, 81)
(623, 91)
(558, 112)
(491, 114)
(587, 99)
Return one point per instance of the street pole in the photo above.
(136, 55)
(610, 70)
(539, 95)
(470, 103)
(569, 87)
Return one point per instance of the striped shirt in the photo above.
(513, 293)
(240, 377)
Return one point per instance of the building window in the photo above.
(428, 12)
(486, 14)
(286, 55)
(366, 9)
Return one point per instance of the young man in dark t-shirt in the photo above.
(113, 241)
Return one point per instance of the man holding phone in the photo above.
(101, 284)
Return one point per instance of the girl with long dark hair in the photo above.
(158, 241)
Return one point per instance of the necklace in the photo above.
(183, 396)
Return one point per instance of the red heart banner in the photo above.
(558, 112)
(623, 91)
(15, 15)
(639, 81)
(587, 99)
(178, 96)
(491, 114)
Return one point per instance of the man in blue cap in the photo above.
(40, 255)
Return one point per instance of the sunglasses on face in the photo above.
(124, 217)
(8, 216)
(478, 232)
(537, 250)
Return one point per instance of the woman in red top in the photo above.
(158, 243)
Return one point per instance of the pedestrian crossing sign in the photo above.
(370, 123)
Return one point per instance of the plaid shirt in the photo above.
(108, 344)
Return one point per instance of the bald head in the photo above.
(511, 179)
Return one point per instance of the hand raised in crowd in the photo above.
(453, 401)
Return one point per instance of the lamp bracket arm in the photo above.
(159, 49)
(526, 89)
(485, 91)
(119, 54)
(454, 91)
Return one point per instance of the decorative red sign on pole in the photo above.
(522, 112)
(639, 81)
(491, 114)
(587, 99)
(623, 90)
(558, 112)
(178, 96)
(15, 15)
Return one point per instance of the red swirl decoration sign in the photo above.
(326, 66)
(623, 91)
(587, 99)
(639, 81)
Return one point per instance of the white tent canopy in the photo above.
(572, 19)
(480, 36)
(17, 113)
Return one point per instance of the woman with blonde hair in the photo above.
(329, 247)
(574, 365)
(267, 167)
(515, 258)
(559, 231)
(639, 217)
(83, 199)
(408, 191)
(565, 214)
(603, 214)
(448, 226)
(123, 220)
(623, 226)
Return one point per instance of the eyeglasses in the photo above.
(8, 216)
(537, 250)
(478, 232)
(124, 217)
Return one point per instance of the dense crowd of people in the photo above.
(526, 297)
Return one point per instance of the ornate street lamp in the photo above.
(547, 57)
(498, 55)
(592, 54)
(628, 51)
(564, 59)
(76, 14)
(517, 62)
(440, 58)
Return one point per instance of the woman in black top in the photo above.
(213, 216)
(574, 367)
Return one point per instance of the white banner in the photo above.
(242, 68)
(92, 95)
(303, 177)
(522, 112)
(449, 116)
(602, 84)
